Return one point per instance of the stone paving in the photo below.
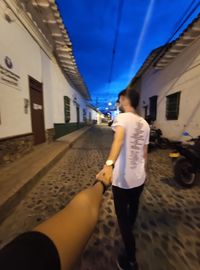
(168, 227)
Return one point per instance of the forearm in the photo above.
(115, 150)
(117, 143)
(72, 227)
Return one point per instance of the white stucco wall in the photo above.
(60, 88)
(183, 74)
(17, 44)
(95, 116)
(56, 87)
(29, 59)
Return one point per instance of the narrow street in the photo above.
(168, 226)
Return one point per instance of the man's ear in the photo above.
(125, 100)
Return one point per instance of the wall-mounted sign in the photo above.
(8, 62)
(26, 105)
(8, 73)
(37, 106)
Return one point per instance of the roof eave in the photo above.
(51, 25)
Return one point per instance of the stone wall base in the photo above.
(66, 128)
(50, 135)
(13, 148)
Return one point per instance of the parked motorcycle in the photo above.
(157, 140)
(110, 123)
(186, 161)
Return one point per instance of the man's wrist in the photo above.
(110, 163)
(103, 184)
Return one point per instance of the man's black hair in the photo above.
(122, 93)
(133, 96)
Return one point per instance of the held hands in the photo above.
(105, 175)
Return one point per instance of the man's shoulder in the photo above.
(119, 120)
(131, 118)
(120, 116)
(145, 122)
(146, 125)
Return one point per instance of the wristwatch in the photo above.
(110, 162)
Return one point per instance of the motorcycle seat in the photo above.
(194, 153)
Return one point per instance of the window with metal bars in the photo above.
(84, 115)
(172, 106)
(67, 109)
(153, 107)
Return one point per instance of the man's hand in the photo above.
(105, 175)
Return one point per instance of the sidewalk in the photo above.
(19, 177)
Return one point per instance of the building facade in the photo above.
(169, 83)
(42, 94)
(94, 115)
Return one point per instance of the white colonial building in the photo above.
(42, 94)
(169, 83)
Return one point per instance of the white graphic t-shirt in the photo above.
(129, 171)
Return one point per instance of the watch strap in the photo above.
(105, 187)
(112, 165)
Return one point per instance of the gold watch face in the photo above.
(109, 162)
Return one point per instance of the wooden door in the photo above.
(78, 114)
(37, 110)
(145, 111)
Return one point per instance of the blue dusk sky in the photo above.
(112, 38)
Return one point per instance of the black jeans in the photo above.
(126, 207)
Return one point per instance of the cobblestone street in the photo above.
(168, 226)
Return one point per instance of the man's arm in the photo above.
(71, 228)
(117, 143)
(106, 173)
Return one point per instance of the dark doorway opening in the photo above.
(37, 110)
(78, 114)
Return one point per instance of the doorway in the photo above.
(78, 114)
(37, 110)
(145, 111)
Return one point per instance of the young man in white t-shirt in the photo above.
(126, 165)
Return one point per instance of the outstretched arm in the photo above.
(72, 227)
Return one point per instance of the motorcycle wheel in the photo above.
(163, 143)
(183, 173)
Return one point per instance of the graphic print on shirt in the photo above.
(137, 140)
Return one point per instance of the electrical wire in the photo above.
(180, 23)
(119, 16)
(185, 13)
(185, 20)
(162, 51)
